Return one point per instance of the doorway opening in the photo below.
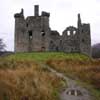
(42, 48)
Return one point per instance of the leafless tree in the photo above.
(2, 45)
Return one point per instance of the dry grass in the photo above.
(87, 71)
(26, 80)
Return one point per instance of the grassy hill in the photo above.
(44, 56)
(22, 77)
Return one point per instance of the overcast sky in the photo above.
(63, 13)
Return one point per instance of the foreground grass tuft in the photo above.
(23, 78)
(27, 80)
(87, 71)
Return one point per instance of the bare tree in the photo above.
(2, 45)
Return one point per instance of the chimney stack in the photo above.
(36, 10)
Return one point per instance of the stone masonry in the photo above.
(34, 34)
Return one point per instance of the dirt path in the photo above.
(73, 91)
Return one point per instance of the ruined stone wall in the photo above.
(70, 40)
(54, 44)
(38, 31)
(84, 37)
(34, 34)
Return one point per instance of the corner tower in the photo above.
(20, 32)
(84, 37)
(32, 33)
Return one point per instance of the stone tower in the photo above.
(85, 37)
(34, 34)
(20, 33)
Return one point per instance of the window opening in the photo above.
(42, 33)
(74, 32)
(83, 40)
(27, 25)
(68, 33)
(30, 34)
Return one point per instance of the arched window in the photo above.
(68, 33)
(74, 32)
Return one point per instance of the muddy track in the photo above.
(73, 91)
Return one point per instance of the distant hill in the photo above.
(96, 50)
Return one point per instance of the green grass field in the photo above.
(44, 56)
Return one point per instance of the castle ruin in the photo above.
(34, 34)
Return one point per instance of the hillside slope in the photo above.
(27, 80)
(23, 71)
